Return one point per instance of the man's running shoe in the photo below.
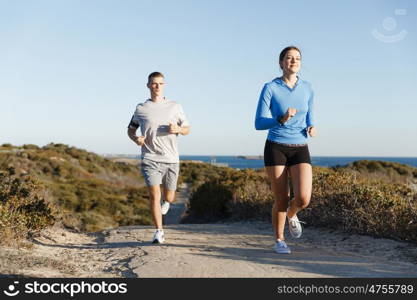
(158, 237)
(164, 207)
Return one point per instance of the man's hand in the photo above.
(288, 115)
(311, 131)
(140, 140)
(174, 128)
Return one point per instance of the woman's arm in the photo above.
(310, 117)
(311, 130)
(263, 118)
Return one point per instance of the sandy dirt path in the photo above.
(245, 250)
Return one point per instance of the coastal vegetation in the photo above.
(80, 189)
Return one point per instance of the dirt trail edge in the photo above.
(241, 249)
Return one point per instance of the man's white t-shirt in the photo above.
(154, 118)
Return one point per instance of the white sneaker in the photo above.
(281, 247)
(294, 225)
(164, 207)
(158, 237)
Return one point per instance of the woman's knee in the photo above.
(302, 201)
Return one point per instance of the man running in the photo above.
(160, 121)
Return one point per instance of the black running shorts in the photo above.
(276, 154)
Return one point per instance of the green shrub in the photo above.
(225, 193)
(362, 205)
(30, 146)
(22, 208)
(384, 170)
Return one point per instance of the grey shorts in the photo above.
(157, 173)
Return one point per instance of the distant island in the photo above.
(250, 156)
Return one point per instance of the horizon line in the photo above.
(249, 155)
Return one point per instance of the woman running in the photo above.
(285, 109)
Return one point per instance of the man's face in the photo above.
(156, 86)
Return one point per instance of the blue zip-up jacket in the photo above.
(275, 99)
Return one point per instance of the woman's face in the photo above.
(291, 63)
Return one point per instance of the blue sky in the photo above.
(73, 71)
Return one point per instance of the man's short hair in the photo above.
(155, 74)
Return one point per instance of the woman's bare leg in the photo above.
(302, 180)
(279, 185)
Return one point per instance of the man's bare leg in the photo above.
(155, 205)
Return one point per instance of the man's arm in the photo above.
(131, 132)
(174, 129)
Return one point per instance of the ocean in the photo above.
(323, 161)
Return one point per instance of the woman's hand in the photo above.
(288, 115)
(311, 131)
